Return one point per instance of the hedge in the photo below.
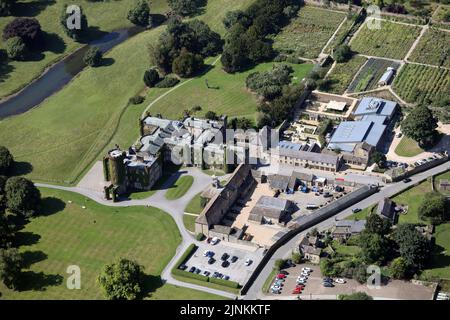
(191, 275)
(189, 251)
(225, 283)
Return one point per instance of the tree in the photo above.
(22, 197)
(6, 232)
(184, 7)
(75, 33)
(378, 158)
(6, 7)
(211, 115)
(16, 49)
(122, 280)
(10, 267)
(6, 160)
(421, 125)
(28, 29)
(151, 77)
(140, 14)
(236, 16)
(342, 53)
(279, 264)
(187, 63)
(433, 208)
(414, 248)
(374, 247)
(93, 57)
(296, 257)
(378, 225)
(398, 268)
(355, 296)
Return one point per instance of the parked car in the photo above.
(182, 266)
(399, 135)
(328, 285)
(224, 256)
(208, 240)
(289, 263)
(206, 273)
(192, 269)
(306, 269)
(215, 274)
(275, 291)
(407, 180)
(208, 253)
(234, 259)
(215, 241)
(355, 210)
(339, 280)
(281, 276)
(225, 264)
(301, 286)
(297, 291)
(248, 262)
(211, 260)
(197, 271)
(327, 279)
(284, 272)
(226, 278)
(326, 195)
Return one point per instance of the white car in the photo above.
(306, 269)
(248, 262)
(339, 280)
(300, 281)
(214, 240)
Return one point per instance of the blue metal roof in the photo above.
(376, 106)
(351, 132)
(374, 118)
(375, 134)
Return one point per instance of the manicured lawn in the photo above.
(441, 255)
(408, 148)
(65, 234)
(172, 292)
(433, 48)
(194, 206)
(180, 187)
(362, 214)
(417, 83)
(393, 40)
(68, 132)
(346, 250)
(343, 73)
(189, 222)
(309, 32)
(104, 16)
(413, 198)
(229, 95)
(269, 280)
(206, 284)
(443, 176)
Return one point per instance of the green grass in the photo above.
(393, 40)
(230, 96)
(440, 263)
(269, 280)
(408, 148)
(194, 206)
(106, 16)
(346, 250)
(180, 187)
(68, 132)
(362, 214)
(189, 222)
(443, 176)
(433, 48)
(413, 198)
(207, 284)
(343, 73)
(65, 234)
(307, 34)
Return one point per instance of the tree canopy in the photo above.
(433, 208)
(378, 225)
(269, 84)
(93, 57)
(140, 14)
(355, 296)
(22, 197)
(10, 267)
(374, 247)
(185, 7)
(413, 247)
(420, 125)
(6, 160)
(122, 280)
(28, 29)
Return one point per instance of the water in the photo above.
(60, 74)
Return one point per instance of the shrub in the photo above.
(151, 78)
(140, 14)
(199, 236)
(225, 283)
(189, 251)
(93, 57)
(294, 60)
(167, 82)
(137, 100)
(355, 296)
(16, 49)
(342, 53)
(28, 29)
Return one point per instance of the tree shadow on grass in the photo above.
(5, 67)
(26, 238)
(150, 285)
(21, 168)
(54, 43)
(440, 259)
(32, 257)
(106, 62)
(93, 33)
(38, 281)
(31, 8)
(51, 205)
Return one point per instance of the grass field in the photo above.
(309, 32)
(194, 206)
(393, 40)
(343, 73)
(443, 176)
(441, 256)
(189, 222)
(417, 83)
(413, 198)
(102, 17)
(408, 148)
(362, 214)
(433, 48)
(345, 250)
(230, 95)
(63, 136)
(340, 35)
(65, 234)
(180, 187)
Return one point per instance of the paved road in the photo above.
(255, 291)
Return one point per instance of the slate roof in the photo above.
(386, 209)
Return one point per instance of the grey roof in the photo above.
(278, 181)
(221, 229)
(387, 76)
(386, 208)
(269, 207)
(310, 156)
(353, 226)
(273, 203)
(303, 176)
(312, 250)
(371, 105)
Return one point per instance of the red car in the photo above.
(281, 276)
(300, 286)
(297, 290)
